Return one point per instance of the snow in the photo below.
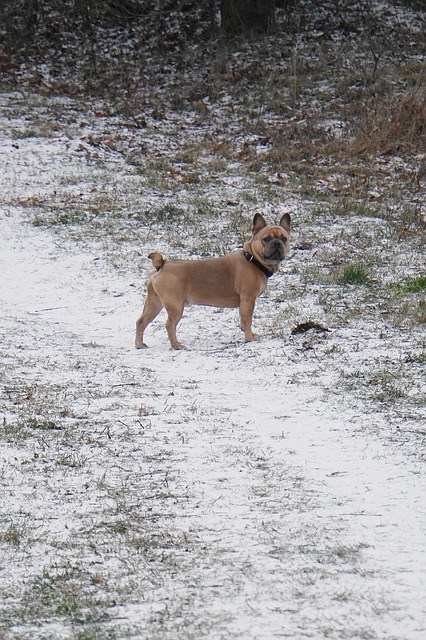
(229, 491)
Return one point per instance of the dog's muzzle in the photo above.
(275, 251)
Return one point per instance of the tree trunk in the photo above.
(247, 16)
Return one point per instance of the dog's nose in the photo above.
(275, 250)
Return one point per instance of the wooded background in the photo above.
(23, 21)
(287, 67)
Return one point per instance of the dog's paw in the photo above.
(253, 337)
(179, 347)
(141, 345)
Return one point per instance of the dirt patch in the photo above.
(303, 327)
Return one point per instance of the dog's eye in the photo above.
(267, 239)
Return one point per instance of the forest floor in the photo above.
(253, 491)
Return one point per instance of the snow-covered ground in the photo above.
(227, 491)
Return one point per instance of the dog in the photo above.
(233, 280)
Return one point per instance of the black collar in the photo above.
(250, 258)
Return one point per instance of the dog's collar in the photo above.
(250, 258)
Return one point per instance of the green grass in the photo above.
(168, 214)
(61, 218)
(385, 386)
(65, 593)
(413, 285)
(355, 274)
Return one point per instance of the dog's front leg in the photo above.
(246, 316)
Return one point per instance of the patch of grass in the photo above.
(40, 130)
(249, 197)
(390, 391)
(13, 535)
(168, 214)
(362, 209)
(23, 135)
(16, 432)
(416, 358)
(217, 164)
(156, 172)
(393, 125)
(421, 311)
(411, 217)
(385, 122)
(413, 285)
(63, 592)
(146, 410)
(70, 211)
(355, 274)
(384, 386)
(186, 156)
(58, 218)
(99, 633)
(43, 425)
(201, 206)
(74, 460)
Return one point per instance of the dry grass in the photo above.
(393, 125)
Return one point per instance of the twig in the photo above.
(125, 384)
(33, 313)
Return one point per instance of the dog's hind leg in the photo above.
(152, 308)
(174, 314)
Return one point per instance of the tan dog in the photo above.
(234, 280)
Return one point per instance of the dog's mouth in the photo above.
(274, 252)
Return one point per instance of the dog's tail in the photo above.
(157, 260)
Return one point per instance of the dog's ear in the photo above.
(285, 222)
(259, 223)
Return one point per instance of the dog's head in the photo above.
(270, 244)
